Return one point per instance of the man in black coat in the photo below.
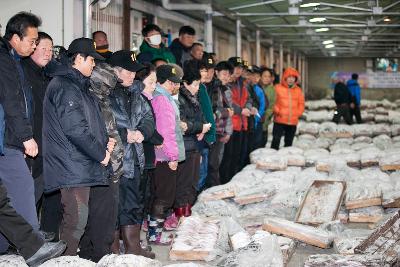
(76, 150)
(16, 99)
(181, 46)
(342, 99)
(35, 74)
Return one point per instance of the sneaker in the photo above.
(171, 223)
(162, 239)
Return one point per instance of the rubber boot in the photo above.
(188, 210)
(131, 237)
(115, 244)
(179, 212)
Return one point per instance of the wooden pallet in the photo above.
(304, 233)
(321, 203)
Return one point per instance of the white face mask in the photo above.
(155, 39)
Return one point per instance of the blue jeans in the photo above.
(17, 179)
(203, 169)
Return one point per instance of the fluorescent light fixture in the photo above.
(330, 46)
(317, 20)
(322, 30)
(310, 5)
(327, 42)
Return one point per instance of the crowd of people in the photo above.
(102, 144)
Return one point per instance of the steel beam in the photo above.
(327, 26)
(238, 38)
(344, 6)
(256, 4)
(391, 5)
(283, 14)
(258, 48)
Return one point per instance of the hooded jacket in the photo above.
(158, 53)
(74, 134)
(289, 103)
(18, 127)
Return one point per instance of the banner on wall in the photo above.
(374, 79)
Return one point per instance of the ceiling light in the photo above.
(322, 30)
(386, 19)
(327, 42)
(317, 20)
(310, 5)
(330, 46)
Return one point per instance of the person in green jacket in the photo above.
(266, 82)
(152, 43)
(206, 107)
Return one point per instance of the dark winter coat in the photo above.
(341, 94)
(132, 112)
(180, 52)
(102, 81)
(190, 112)
(74, 134)
(38, 80)
(18, 127)
(148, 146)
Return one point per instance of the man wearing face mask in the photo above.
(152, 44)
(101, 40)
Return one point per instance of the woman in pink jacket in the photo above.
(167, 156)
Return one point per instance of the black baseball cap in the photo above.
(125, 59)
(254, 69)
(208, 61)
(236, 61)
(168, 72)
(85, 46)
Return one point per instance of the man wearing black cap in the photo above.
(235, 149)
(135, 124)
(76, 151)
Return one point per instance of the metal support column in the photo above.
(295, 65)
(258, 48)
(280, 59)
(288, 63)
(87, 19)
(208, 27)
(271, 56)
(238, 39)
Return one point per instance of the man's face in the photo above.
(291, 80)
(266, 78)
(210, 74)
(255, 77)
(101, 41)
(186, 40)
(224, 76)
(27, 44)
(85, 66)
(197, 52)
(126, 76)
(43, 52)
(237, 72)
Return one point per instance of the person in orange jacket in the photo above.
(289, 106)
